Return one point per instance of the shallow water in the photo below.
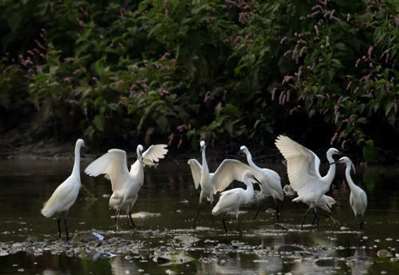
(165, 241)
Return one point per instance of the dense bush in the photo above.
(234, 70)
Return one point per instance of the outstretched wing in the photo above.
(195, 168)
(154, 153)
(228, 171)
(302, 164)
(113, 164)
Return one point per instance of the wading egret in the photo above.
(325, 203)
(231, 200)
(211, 183)
(357, 197)
(65, 194)
(270, 182)
(125, 184)
(303, 168)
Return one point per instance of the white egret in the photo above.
(232, 200)
(303, 168)
(65, 194)
(357, 197)
(270, 181)
(125, 184)
(211, 183)
(325, 203)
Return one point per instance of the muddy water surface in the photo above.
(165, 241)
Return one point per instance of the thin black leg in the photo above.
(258, 210)
(314, 218)
(131, 222)
(224, 223)
(116, 219)
(361, 225)
(59, 228)
(66, 229)
(304, 217)
(238, 226)
(317, 218)
(197, 215)
(277, 204)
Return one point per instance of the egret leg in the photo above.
(277, 204)
(330, 217)
(197, 215)
(116, 219)
(224, 223)
(304, 217)
(317, 218)
(59, 228)
(361, 225)
(238, 226)
(66, 229)
(314, 218)
(258, 210)
(130, 219)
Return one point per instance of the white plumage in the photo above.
(303, 171)
(211, 183)
(325, 203)
(270, 180)
(232, 200)
(125, 184)
(66, 193)
(357, 197)
(270, 183)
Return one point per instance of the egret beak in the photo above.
(353, 167)
(257, 181)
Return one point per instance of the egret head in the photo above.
(190, 161)
(202, 144)
(250, 178)
(80, 142)
(333, 151)
(243, 149)
(348, 162)
(139, 150)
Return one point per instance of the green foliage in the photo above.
(204, 68)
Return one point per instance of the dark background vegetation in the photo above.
(232, 72)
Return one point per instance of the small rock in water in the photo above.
(384, 253)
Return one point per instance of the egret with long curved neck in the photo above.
(125, 185)
(232, 200)
(65, 194)
(270, 182)
(303, 168)
(211, 183)
(357, 197)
